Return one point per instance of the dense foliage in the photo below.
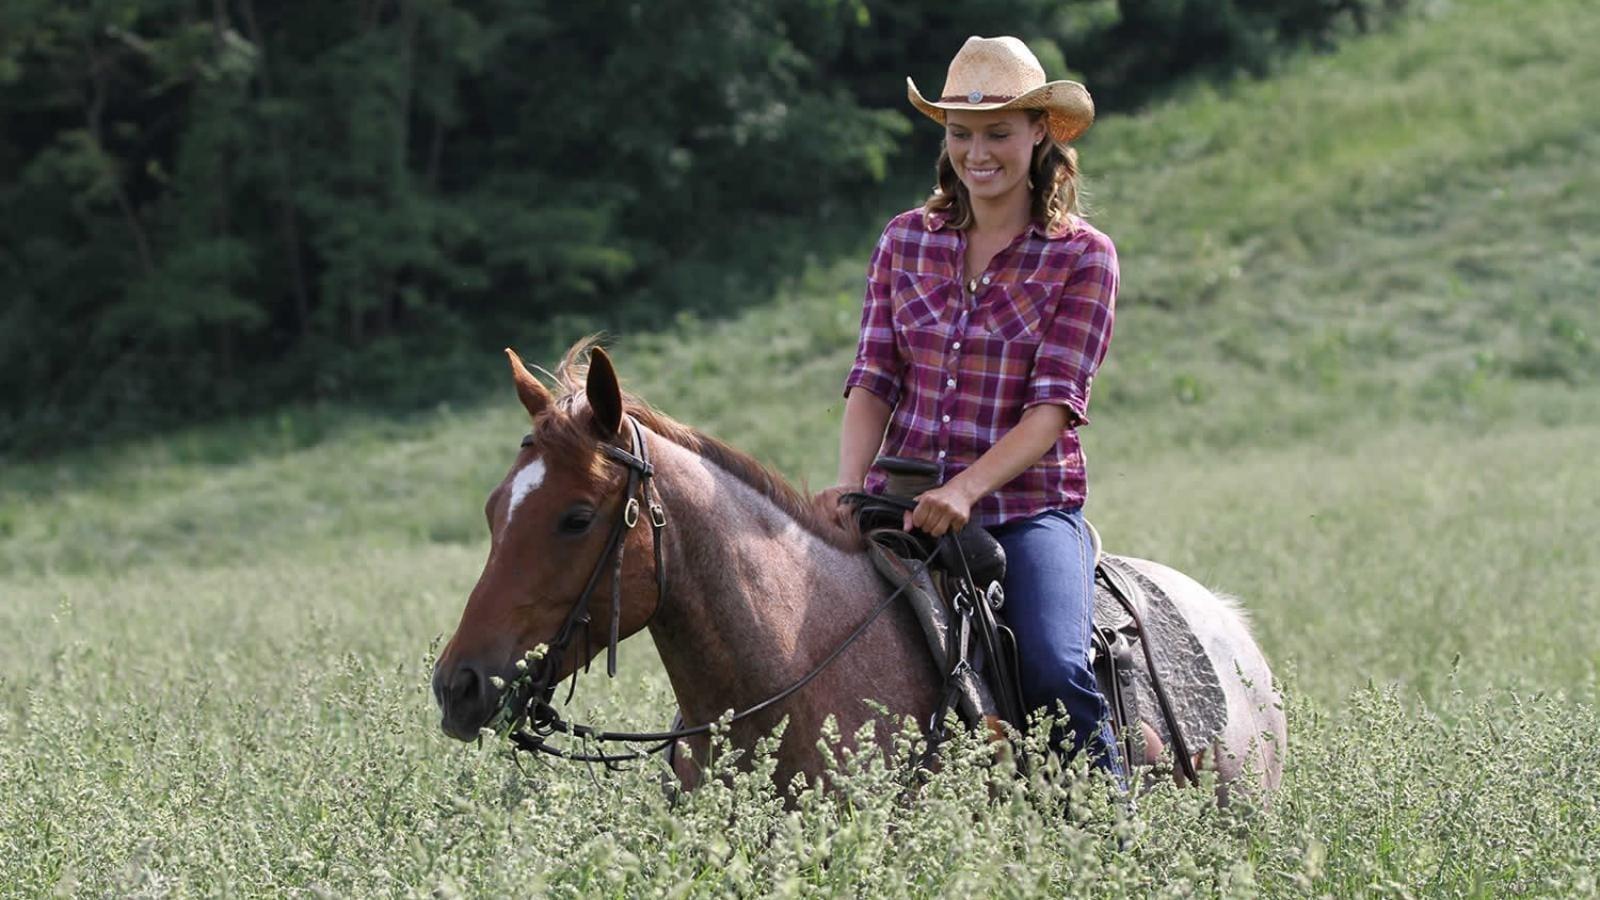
(209, 205)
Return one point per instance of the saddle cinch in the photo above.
(1147, 660)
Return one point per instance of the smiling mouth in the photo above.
(983, 174)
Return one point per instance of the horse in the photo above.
(748, 587)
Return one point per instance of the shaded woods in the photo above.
(208, 205)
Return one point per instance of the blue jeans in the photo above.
(1049, 588)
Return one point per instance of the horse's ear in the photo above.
(535, 396)
(604, 393)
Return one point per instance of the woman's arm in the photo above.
(873, 385)
(866, 415)
(947, 507)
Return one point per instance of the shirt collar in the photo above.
(936, 221)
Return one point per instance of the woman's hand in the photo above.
(945, 508)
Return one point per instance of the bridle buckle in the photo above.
(658, 515)
(630, 513)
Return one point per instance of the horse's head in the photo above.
(550, 521)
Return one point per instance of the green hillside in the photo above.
(1356, 382)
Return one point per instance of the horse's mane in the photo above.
(559, 424)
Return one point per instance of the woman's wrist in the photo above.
(965, 487)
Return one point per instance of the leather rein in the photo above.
(535, 720)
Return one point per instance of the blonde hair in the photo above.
(1052, 177)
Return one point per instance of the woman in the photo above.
(987, 312)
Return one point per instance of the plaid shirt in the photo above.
(959, 371)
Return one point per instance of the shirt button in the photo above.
(950, 383)
(945, 419)
(941, 454)
(956, 346)
(986, 279)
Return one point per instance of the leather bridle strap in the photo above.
(640, 471)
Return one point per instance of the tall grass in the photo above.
(264, 724)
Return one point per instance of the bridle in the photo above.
(639, 474)
(531, 701)
(535, 720)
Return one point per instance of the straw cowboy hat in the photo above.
(1002, 73)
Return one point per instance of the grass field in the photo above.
(1356, 382)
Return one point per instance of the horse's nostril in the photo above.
(465, 700)
(465, 684)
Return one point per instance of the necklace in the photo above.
(972, 285)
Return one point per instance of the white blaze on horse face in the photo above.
(525, 482)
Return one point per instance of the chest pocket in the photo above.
(920, 301)
(1014, 313)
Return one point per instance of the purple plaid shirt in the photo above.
(959, 371)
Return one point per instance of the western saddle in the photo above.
(955, 588)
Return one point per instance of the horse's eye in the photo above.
(576, 520)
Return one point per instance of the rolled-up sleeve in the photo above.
(878, 366)
(1078, 333)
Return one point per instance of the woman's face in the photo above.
(992, 151)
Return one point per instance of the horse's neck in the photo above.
(754, 599)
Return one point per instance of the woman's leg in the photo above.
(1049, 604)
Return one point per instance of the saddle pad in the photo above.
(1186, 671)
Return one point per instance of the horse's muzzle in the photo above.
(467, 699)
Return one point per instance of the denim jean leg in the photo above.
(1049, 604)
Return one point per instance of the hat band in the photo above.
(976, 97)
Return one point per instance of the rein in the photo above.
(536, 720)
